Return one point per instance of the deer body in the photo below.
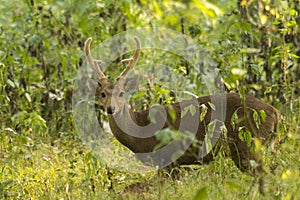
(240, 152)
(136, 130)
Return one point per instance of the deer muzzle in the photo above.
(110, 110)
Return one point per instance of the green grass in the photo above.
(65, 169)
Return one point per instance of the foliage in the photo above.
(255, 45)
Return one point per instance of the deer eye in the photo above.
(121, 94)
(103, 95)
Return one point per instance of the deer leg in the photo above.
(247, 162)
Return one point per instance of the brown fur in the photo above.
(240, 151)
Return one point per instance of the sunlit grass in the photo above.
(66, 170)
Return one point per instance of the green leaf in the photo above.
(245, 26)
(201, 194)
(256, 119)
(203, 112)
(248, 137)
(28, 97)
(207, 8)
(2, 65)
(234, 119)
(224, 130)
(255, 69)
(208, 144)
(291, 23)
(211, 105)
(192, 110)
(254, 164)
(293, 12)
(250, 50)
(184, 112)
(263, 115)
(245, 136)
(241, 136)
(233, 186)
(238, 71)
(11, 83)
(211, 127)
(172, 113)
(294, 55)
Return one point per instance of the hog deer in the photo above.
(136, 129)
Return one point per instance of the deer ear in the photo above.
(131, 84)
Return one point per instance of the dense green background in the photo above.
(255, 45)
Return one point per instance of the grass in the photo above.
(65, 169)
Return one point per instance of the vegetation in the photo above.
(255, 46)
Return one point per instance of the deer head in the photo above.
(112, 94)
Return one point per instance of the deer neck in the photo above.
(120, 124)
(134, 130)
(121, 120)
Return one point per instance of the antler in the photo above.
(92, 62)
(132, 61)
